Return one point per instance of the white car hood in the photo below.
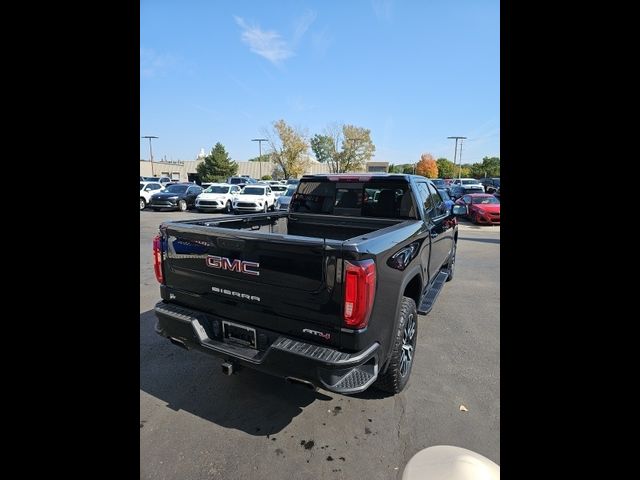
(212, 196)
(251, 198)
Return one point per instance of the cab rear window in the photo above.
(382, 199)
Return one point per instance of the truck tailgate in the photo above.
(284, 284)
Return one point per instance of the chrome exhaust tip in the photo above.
(302, 383)
(178, 342)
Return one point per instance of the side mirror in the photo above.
(458, 210)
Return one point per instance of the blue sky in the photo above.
(413, 72)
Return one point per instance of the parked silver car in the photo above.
(282, 202)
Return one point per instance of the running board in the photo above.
(429, 298)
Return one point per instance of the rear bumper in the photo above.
(278, 355)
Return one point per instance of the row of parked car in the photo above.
(246, 195)
(225, 197)
(482, 197)
(460, 186)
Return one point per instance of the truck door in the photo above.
(441, 231)
(424, 199)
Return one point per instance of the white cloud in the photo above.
(321, 41)
(302, 24)
(153, 63)
(268, 44)
(382, 9)
(297, 104)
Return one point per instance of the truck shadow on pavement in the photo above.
(253, 402)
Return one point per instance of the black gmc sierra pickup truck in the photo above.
(324, 295)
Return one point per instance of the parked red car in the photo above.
(484, 209)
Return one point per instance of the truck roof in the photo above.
(364, 176)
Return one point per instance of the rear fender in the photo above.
(416, 270)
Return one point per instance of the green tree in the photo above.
(491, 166)
(427, 166)
(266, 177)
(289, 149)
(265, 158)
(324, 148)
(465, 171)
(357, 148)
(476, 170)
(217, 166)
(395, 168)
(407, 168)
(445, 168)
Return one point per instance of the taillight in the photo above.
(157, 258)
(359, 291)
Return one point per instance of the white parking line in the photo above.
(486, 228)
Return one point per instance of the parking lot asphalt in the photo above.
(196, 423)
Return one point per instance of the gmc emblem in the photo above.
(236, 265)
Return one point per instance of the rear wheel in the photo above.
(182, 205)
(143, 203)
(396, 377)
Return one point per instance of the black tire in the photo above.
(396, 377)
(228, 207)
(143, 203)
(182, 205)
(452, 262)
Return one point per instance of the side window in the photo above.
(155, 186)
(439, 208)
(425, 196)
(466, 199)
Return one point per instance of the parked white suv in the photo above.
(254, 198)
(217, 196)
(146, 190)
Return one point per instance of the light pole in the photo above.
(455, 153)
(460, 168)
(259, 140)
(150, 151)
